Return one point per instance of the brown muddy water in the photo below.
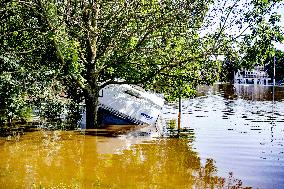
(237, 141)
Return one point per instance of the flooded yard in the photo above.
(237, 141)
(242, 129)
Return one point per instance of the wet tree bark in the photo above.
(92, 102)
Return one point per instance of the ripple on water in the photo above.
(244, 134)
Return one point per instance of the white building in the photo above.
(254, 76)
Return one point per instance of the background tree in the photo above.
(258, 45)
(248, 31)
(229, 67)
(279, 66)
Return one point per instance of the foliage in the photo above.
(258, 46)
(29, 69)
(279, 66)
(229, 67)
(246, 34)
(172, 124)
(80, 46)
(150, 43)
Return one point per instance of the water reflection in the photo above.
(69, 160)
(246, 92)
(241, 129)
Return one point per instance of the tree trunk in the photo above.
(92, 102)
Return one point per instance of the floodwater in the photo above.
(242, 129)
(56, 159)
(237, 141)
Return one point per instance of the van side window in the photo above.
(133, 93)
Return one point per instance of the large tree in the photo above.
(153, 43)
(158, 44)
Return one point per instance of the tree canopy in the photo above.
(83, 46)
(279, 66)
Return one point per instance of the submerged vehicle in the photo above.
(128, 105)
